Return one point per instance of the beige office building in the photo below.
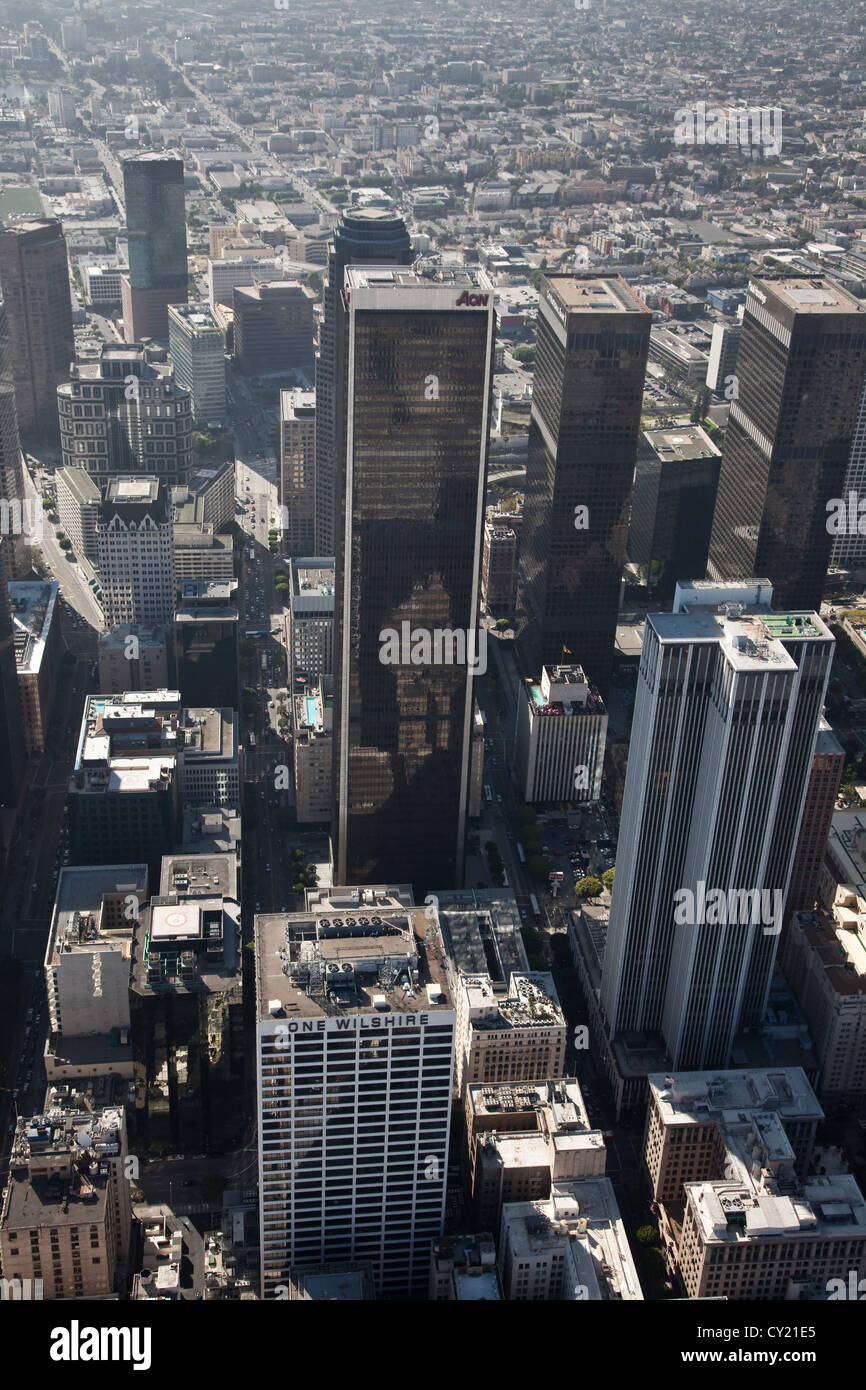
(824, 959)
(694, 1117)
(571, 1247)
(512, 1035)
(525, 1138)
(760, 1235)
(66, 1219)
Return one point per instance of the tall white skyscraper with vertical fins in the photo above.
(729, 700)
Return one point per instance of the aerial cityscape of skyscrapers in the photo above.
(433, 662)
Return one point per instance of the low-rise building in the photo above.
(499, 561)
(463, 1269)
(161, 1260)
(758, 1235)
(523, 1139)
(38, 653)
(693, 1120)
(512, 1034)
(78, 503)
(66, 1221)
(87, 970)
(133, 656)
(569, 1247)
(823, 955)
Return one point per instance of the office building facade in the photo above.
(724, 346)
(593, 341)
(372, 236)
(561, 731)
(156, 233)
(354, 1101)
(297, 491)
(12, 754)
(78, 503)
(800, 372)
(34, 276)
(20, 522)
(273, 328)
(125, 413)
(311, 618)
(135, 544)
(206, 645)
(197, 349)
(38, 654)
(407, 645)
(675, 483)
(66, 1220)
(730, 695)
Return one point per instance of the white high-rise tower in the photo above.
(729, 701)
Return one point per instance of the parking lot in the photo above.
(583, 845)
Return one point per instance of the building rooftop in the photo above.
(81, 485)
(352, 951)
(352, 1283)
(145, 724)
(815, 295)
(33, 605)
(199, 875)
(697, 1096)
(846, 849)
(562, 1100)
(89, 907)
(207, 734)
(116, 638)
(838, 939)
(481, 929)
(187, 944)
(133, 489)
(681, 444)
(59, 1169)
(298, 404)
(732, 1210)
(312, 578)
(592, 294)
(530, 1002)
(751, 641)
(582, 1221)
(211, 830)
(219, 592)
(197, 317)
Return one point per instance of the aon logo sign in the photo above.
(475, 301)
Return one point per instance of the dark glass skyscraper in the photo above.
(800, 371)
(12, 756)
(371, 236)
(34, 275)
(156, 228)
(418, 359)
(592, 345)
(15, 514)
